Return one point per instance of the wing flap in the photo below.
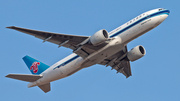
(124, 68)
(24, 77)
(119, 62)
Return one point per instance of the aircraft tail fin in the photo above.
(46, 87)
(35, 66)
(24, 77)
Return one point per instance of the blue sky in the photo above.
(155, 76)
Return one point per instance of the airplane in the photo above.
(104, 48)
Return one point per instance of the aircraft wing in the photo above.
(76, 43)
(119, 62)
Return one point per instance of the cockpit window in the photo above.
(160, 9)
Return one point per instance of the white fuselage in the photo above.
(120, 37)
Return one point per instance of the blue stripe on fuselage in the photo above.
(137, 22)
(66, 62)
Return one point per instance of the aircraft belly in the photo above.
(112, 48)
(72, 67)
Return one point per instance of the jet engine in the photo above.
(136, 53)
(99, 37)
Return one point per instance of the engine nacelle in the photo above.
(99, 37)
(136, 53)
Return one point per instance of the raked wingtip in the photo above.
(10, 27)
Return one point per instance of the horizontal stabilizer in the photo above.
(24, 77)
(46, 87)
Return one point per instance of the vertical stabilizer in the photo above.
(35, 66)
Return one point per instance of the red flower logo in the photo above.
(34, 67)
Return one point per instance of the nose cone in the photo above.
(162, 18)
(164, 15)
(166, 12)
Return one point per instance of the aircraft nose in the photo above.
(168, 11)
(166, 14)
(162, 16)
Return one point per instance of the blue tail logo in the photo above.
(35, 66)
